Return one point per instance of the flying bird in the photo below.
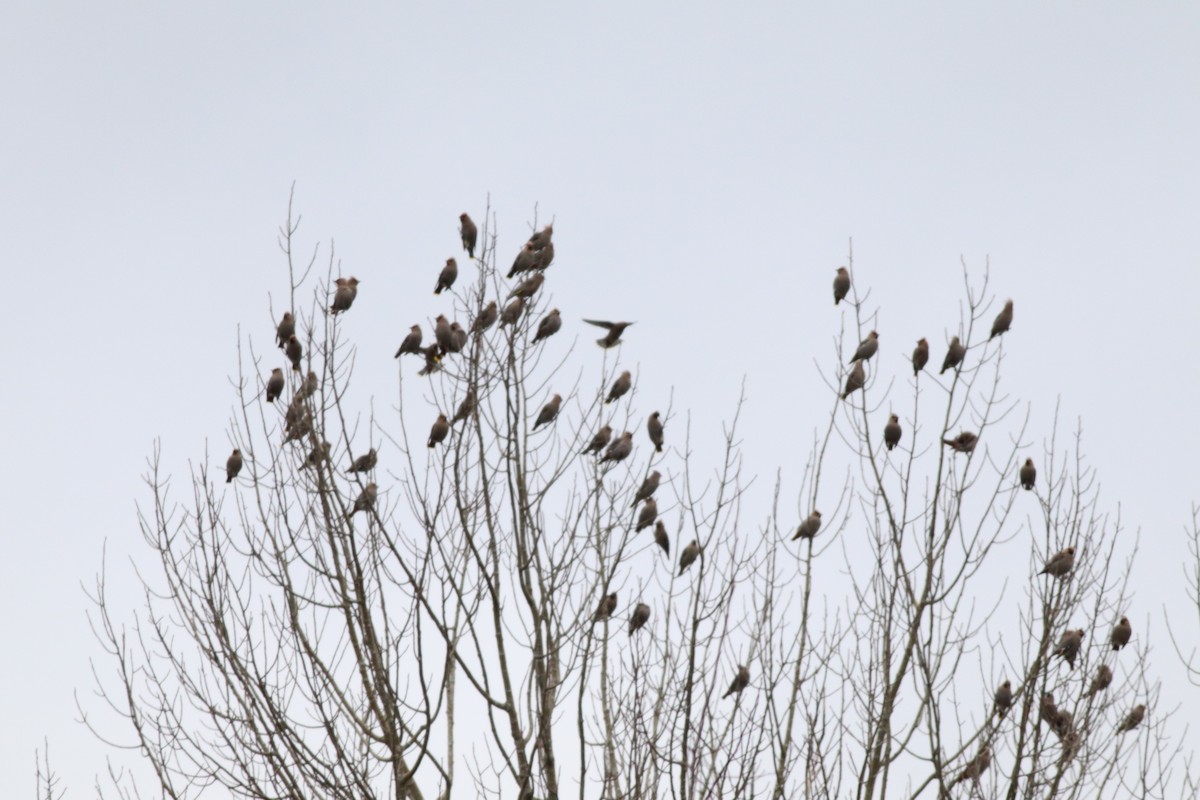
(294, 351)
(809, 527)
(1003, 698)
(512, 312)
(486, 318)
(648, 487)
(620, 449)
(1060, 564)
(1120, 632)
(920, 356)
(891, 432)
(963, 443)
(365, 463)
(639, 618)
(855, 380)
(365, 501)
(469, 234)
(689, 555)
(620, 386)
(343, 297)
(1102, 680)
(548, 326)
(647, 515)
(286, 327)
(437, 434)
(740, 682)
(661, 539)
(841, 285)
(447, 277)
(411, 343)
(954, 355)
(548, 412)
(608, 604)
(1003, 321)
(233, 465)
(1028, 474)
(274, 384)
(1133, 719)
(1068, 645)
(655, 428)
(615, 329)
(866, 348)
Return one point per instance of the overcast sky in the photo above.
(706, 166)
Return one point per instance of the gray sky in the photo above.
(706, 169)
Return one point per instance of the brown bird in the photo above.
(433, 355)
(809, 527)
(299, 429)
(316, 455)
(233, 466)
(920, 356)
(866, 348)
(1062, 723)
(447, 277)
(641, 615)
(620, 449)
(620, 387)
(486, 318)
(1120, 632)
(855, 380)
(365, 463)
(1069, 644)
(365, 501)
(274, 385)
(648, 487)
(548, 412)
(411, 343)
(1060, 564)
(1028, 474)
(458, 338)
(608, 604)
(525, 260)
(841, 285)
(541, 238)
(466, 407)
(294, 351)
(442, 333)
(286, 327)
(655, 428)
(598, 442)
(661, 539)
(437, 434)
(740, 682)
(296, 411)
(954, 355)
(469, 234)
(1003, 698)
(548, 326)
(544, 257)
(963, 443)
(689, 554)
(1101, 682)
(343, 298)
(891, 432)
(512, 312)
(1133, 719)
(309, 387)
(976, 766)
(647, 516)
(528, 287)
(615, 329)
(1047, 709)
(1003, 321)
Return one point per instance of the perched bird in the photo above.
(954, 355)
(286, 327)
(1047, 709)
(689, 554)
(1060, 564)
(233, 465)
(541, 238)
(343, 297)
(528, 287)
(809, 527)
(1003, 321)
(1120, 632)
(648, 487)
(548, 412)
(655, 428)
(466, 407)
(620, 449)
(486, 318)
(469, 234)
(447, 277)
(525, 260)
(976, 766)
(620, 386)
(548, 326)
(608, 604)
(309, 387)
(963, 443)
(920, 356)
(1101, 682)
(615, 329)
(639, 618)
(296, 411)
(855, 380)
(365, 501)
(512, 312)
(891, 432)
(543, 257)
(274, 385)
(364, 463)
(1028, 474)
(458, 338)
(1003, 698)
(442, 333)
(433, 355)
(299, 429)
(411, 343)
(294, 351)
(316, 455)
(598, 442)
(661, 539)
(1062, 723)
(866, 348)
(1133, 719)
(1069, 644)
(437, 433)
(740, 682)
(647, 515)
(841, 285)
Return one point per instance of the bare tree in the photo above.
(513, 595)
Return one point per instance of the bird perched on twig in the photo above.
(976, 766)
(866, 348)
(548, 412)
(809, 527)
(608, 604)
(1003, 321)
(286, 327)
(343, 297)
(548, 326)
(1060, 564)
(654, 427)
(615, 329)
(954, 355)
(364, 463)
(647, 515)
(602, 438)
(620, 386)
(233, 465)
(620, 449)
(855, 380)
(841, 285)
(525, 261)
(640, 616)
(1028, 474)
(1069, 645)
(437, 434)
(528, 287)
(920, 356)
(486, 318)
(275, 384)
(411, 343)
(442, 334)
(892, 432)
(468, 232)
(740, 682)
(365, 501)
(661, 539)
(466, 407)
(1101, 682)
(688, 556)
(1003, 698)
(1120, 632)
(1133, 719)
(447, 277)
(294, 351)
(963, 443)
(512, 312)
(648, 487)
